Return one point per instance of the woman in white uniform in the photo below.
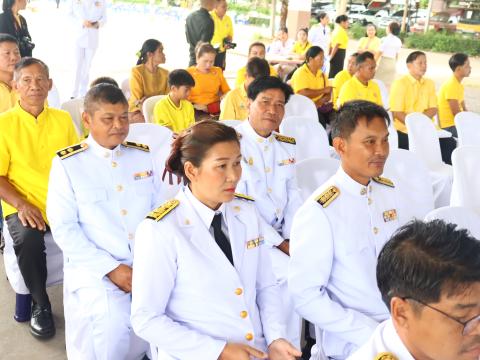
(203, 286)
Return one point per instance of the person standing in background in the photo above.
(390, 46)
(319, 35)
(338, 45)
(370, 42)
(88, 16)
(223, 33)
(11, 22)
(9, 56)
(199, 27)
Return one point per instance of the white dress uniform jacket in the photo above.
(336, 238)
(91, 10)
(188, 300)
(384, 341)
(96, 199)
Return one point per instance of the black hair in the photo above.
(312, 52)
(394, 28)
(8, 38)
(28, 61)
(321, 16)
(103, 93)
(364, 56)
(265, 83)
(414, 55)
(458, 59)
(351, 112)
(257, 43)
(104, 80)
(355, 54)
(7, 5)
(424, 260)
(305, 30)
(370, 24)
(341, 18)
(180, 77)
(204, 48)
(257, 67)
(149, 46)
(284, 29)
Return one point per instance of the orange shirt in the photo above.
(208, 87)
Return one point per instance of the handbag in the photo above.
(326, 108)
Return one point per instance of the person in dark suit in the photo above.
(11, 22)
(199, 27)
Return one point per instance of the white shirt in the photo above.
(333, 257)
(319, 35)
(390, 46)
(279, 48)
(90, 10)
(384, 340)
(187, 298)
(96, 199)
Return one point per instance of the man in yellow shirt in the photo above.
(223, 32)
(451, 96)
(30, 135)
(235, 104)
(361, 86)
(256, 49)
(9, 56)
(174, 110)
(343, 76)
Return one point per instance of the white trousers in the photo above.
(83, 57)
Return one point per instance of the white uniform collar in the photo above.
(252, 134)
(393, 343)
(351, 185)
(203, 211)
(100, 150)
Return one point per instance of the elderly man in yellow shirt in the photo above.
(223, 32)
(30, 135)
(451, 96)
(342, 77)
(9, 56)
(256, 49)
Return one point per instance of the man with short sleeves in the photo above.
(199, 27)
(9, 56)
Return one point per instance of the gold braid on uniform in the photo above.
(285, 139)
(385, 356)
(327, 197)
(137, 146)
(244, 197)
(72, 150)
(383, 181)
(160, 212)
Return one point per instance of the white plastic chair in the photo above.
(466, 172)
(75, 108)
(148, 106)
(468, 128)
(232, 123)
(125, 86)
(313, 172)
(392, 133)
(54, 97)
(383, 93)
(299, 105)
(311, 137)
(465, 218)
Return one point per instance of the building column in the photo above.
(298, 16)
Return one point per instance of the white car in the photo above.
(368, 16)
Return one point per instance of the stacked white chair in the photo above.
(383, 93)
(75, 108)
(125, 86)
(392, 133)
(54, 97)
(466, 172)
(465, 218)
(232, 123)
(313, 172)
(149, 105)
(468, 128)
(299, 105)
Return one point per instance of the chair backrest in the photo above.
(148, 106)
(392, 133)
(383, 93)
(232, 123)
(466, 172)
(311, 137)
(465, 218)
(125, 86)
(468, 128)
(75, 108)
(313, 172)
(54, 97)
(299, 105)
(423, 139)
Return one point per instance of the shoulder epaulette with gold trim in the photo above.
(137, 146)
(72, 150)
(160, 212)
(383, 181)
(326, 197)
(244, 197)
(285, 139)
(385, 356)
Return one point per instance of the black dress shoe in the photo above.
(41, 323)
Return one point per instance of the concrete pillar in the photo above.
(298, 16)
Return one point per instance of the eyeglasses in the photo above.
(468, 326)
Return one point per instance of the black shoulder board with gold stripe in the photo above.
(244, 197)
(160, 212)
(72, 150)
(137, 146)
(383, 181)
(385, 356)
(285, 139)
(326, 197)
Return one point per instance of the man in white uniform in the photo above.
(429, 277)
(339, 231)
(319, 35)
(99, 191)
(268, 163)
(88, 16)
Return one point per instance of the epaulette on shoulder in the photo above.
(137, 146)
(160, 212)
(285, 139)
(385, 356)
(383, 181)
(244, 197)
(72, 150)
(326, 197)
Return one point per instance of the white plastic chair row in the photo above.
(468, 128)
(148, 106)
(75, 108)
(299, 105)
(463, 217)
(466, 174)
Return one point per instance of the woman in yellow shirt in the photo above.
(338, 45)
(370, 42)
(210, 85)
(147, 78)
(302, 44)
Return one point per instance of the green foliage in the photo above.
(443, 42)
(357, 31)
(245, 9)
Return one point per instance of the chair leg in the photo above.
(23, 307)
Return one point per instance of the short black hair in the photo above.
(341, 18)
(180, 77)
(28, 61)
(364, 56)
(283, 29)
(414, 55)
(321, 16)
(103, 93)
(351, 112)
(313, 52)
(255, 44)
(424, 260)
(394, 28)
(265, 83)
(104, 80)
(458, 59)
(8, 38)
(257, 67)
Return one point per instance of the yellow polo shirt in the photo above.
(367, 44)
(452, 89)
(340, 37)
(145, 84)
(27, 147)
(8, 97)
(208, 87)
(353, 89)
(222, 28)
(235, 105)
(338, 81)
(410, 95)
(303, 78)
(176, 118)
(242, 75)
(301, 49)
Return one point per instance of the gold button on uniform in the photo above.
(363, 191)
(243, 314)
(265, 148)
(267, 169)
(119, 188)
(114, 164)
(130, 236)
(269, 190)
(375, 230)
(106, 155)
(123, 212)
(238, 291)
(249, 336)
(370, 201)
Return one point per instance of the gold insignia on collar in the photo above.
(385, 356)
(389, 215)
(255, 243)
(244, 197)
(285, 139)
(326, 197)
(72, 150)
(160, 212)
(383, 181)
(137, 146)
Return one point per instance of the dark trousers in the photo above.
(447, 145)
(220, 59)
(336, 63)
(29, 246)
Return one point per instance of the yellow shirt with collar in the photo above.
(223, 28)
(410, 95)
(353, 89)
(27, 147)
(145, 84)
(176, 118)
(303, 78)
(340, 37)
(338, 81)
(371, 45)
(235, 105)
(301, 49)
(208, 87)
(452, 89)
(242, 75)
(8, 97)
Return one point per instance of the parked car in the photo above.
(413, 16)
(440, 21)
(469, 23)
(368, 16)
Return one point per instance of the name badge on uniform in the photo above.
(287, 162)
(143, 175)
(390, 215)
(254, 243)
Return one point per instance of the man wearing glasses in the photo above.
(429, 276)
